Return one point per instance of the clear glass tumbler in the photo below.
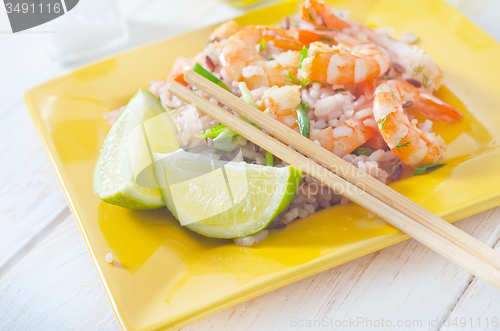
(90, 29)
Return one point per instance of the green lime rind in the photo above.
(196, 193)
(114, 181)
(293, 181)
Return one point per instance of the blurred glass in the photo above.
(90, 29)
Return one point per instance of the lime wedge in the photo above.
(124, 175)
(223, 199)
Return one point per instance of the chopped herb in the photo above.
(311, 18)
(200, 70)
(269, 159)
(393, 95)
(270, 58)
(305, 106)
(382, 122)
(326, 84)
(227, 140)
(337, 90)
(393, 165)
(363, 151)
(213, 132)
(327, 29)
(327, 39)
(425, 81)
(292, 79)
(196, 90)
(418, 69)
(427, 168)
(303, 55)
(400, 145)
(362, 131)
(303, 121)
(262, 44)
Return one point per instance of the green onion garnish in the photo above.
(363, 151)
(303, 121)
(213, 132)
(247, 96)
(427, 168)
(262, 44)
(305, 106)
(200, 70)
(292, 79)
(269, 159)
(303, 55)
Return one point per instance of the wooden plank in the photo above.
(55, 287)
(478, 307)
(31, 195)
(406, 282)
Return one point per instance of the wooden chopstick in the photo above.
(347, 171)
(453, 250)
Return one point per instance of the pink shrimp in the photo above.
(412, 62)
(282, 103)
(240, 52)
(345, 137)
(321, 15)
(344, 65)
(412, 145)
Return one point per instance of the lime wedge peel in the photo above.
(142, 128)
(224, 199)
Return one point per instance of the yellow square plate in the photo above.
(167, 276)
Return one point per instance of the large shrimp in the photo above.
(341, 65)
(242, 59)
(240, 52)
(281, 103)
(321, 15)
(345, 137)
(412, 145)
(410, 61)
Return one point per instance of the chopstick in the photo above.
(346, 170)
(446, 244)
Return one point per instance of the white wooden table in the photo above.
(48, 282)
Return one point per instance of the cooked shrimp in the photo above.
(340, 65)
(321, 15)
(282, 103)
(224, 31)
(181, 65)
(412, 145)
(413, 61)
(345, 137)
(242, 60)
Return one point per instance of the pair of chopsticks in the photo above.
(345, 179)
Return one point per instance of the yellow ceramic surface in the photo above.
(165, 276)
